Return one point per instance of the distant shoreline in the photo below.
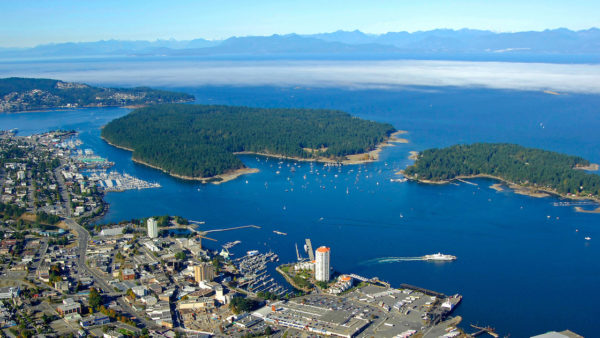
(370, 156)
(517, 188)
(41, 110)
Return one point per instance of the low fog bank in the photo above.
(574, 78)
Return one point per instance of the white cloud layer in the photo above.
(574, 78)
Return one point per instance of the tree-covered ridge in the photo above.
(200, 140)
(511, 162)
(22, 94)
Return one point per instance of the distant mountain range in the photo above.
(439, 43)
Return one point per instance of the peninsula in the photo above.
(533, 169)
(27, 94)
(200, 142)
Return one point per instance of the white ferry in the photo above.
(439, 257)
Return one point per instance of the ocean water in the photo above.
(522, 266)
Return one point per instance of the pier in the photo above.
(360, 278)
(422, 290)
(234, 228)
(489, 330)
(467, 182)
(198, 233)
(573, 204)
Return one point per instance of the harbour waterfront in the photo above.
(522, 266)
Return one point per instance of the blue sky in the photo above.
(28, 23)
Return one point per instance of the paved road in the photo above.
(83, 237)
(64, 193)
(42, 253)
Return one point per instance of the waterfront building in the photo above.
(310, 266)
(152, 228)
(322, 264)
(343, 283)
(204, 272)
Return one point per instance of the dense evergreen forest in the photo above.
(514, 163)
(199, 140)
(22, 94)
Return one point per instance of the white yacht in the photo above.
(439, 257)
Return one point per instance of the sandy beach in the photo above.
(395, 139)
(517, 189)
(371, 156)
(217, 179)
(591, 167)
(116, 146)
(497, 187)
(593, 211)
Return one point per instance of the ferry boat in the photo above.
(587, 238)
(252, 253)
(439, 257)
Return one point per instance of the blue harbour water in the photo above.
(522, 266)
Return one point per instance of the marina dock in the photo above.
(115, 181)
(255, 277)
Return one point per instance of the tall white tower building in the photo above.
(152, 228)
(322, 264)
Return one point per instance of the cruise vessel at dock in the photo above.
(439, 257)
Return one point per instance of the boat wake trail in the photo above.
(384, 260)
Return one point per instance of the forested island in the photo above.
(201, 141)
(526, 167)
(26, 94)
